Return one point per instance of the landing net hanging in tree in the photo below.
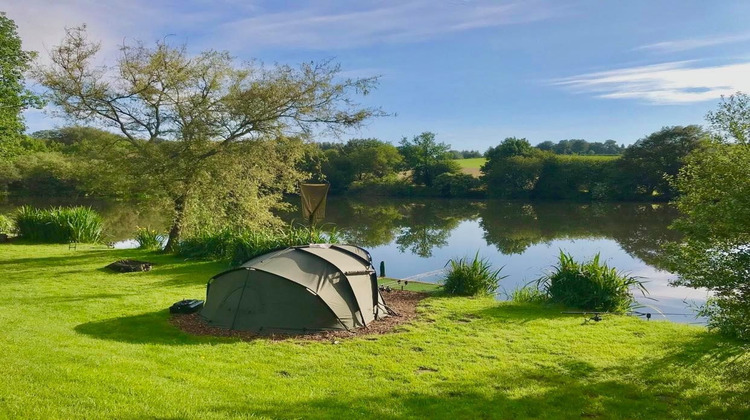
(314, 201)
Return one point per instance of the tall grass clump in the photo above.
(148, 238)
(590, 285)
(529, 294)
(471, 277)
(59, 224)
(239, 246)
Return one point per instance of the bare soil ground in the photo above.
(402, 301)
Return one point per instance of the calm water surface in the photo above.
(418, 237)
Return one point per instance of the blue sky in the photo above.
(472, 71)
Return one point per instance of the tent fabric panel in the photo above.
(318, 275)
(255, 260)
(359, 252)
(223, 298)
(339, 259)
(270, 303)
(362, 286)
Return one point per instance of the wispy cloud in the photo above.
(376, 22)
(667, 83)
(42, 23)
(694, 43)
(248, 26)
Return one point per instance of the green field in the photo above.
(474, 163)
(471, 166)
(81, 342)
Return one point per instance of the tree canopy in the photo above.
(714, 201)
(426, 158)
(14, 97)
(648, 165)
(189, 120)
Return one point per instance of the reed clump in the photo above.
(590, 285)
(239, 246)
(58, 224)
(471, 277)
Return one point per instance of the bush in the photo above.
(591, 285)
(471, 277)
(149, 238)
(6, 224)
(456, 185)
(728, 316)
(240, 246)
(59, 224)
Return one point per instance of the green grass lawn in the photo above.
(80, 342)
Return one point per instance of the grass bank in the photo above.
(80, 342)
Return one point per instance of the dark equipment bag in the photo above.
(186, 306)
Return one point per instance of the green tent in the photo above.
(295, 290)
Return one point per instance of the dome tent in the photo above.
(300, 289)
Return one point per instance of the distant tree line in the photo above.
(582, 147)
(64, 162)
(514, 169)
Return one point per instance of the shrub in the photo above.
(149, 238)
(529, 294)
(590, 285)
(471, 277)
(728, 315)
(6, 224)
(240, 246)
(59, 224)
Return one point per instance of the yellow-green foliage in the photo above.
(81, 342)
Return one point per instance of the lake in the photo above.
(416, 237)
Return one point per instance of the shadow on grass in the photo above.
(582, 392)
(77, 257)
(147, 328)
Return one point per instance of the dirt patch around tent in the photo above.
(402, 301)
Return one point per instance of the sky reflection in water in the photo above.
(419, 236)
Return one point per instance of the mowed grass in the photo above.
(80, 342)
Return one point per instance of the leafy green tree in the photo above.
(512, 168)
(546, 146)
(714, 201)
(647, 166)
(509, 147)
(197, 126)
(426, 158)
(14, 97)
(372, 157)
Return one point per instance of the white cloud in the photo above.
(375, 22)
(694, 43)
(667, 83)
(41, 23)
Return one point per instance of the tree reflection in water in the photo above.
(420, 226)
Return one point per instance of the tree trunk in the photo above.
(175, 232)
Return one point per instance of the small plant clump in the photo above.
(59, 224)
(6, 225)
(471, 277)
(590, 285)
(529, 294)
(148, 238)
(239, 246)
